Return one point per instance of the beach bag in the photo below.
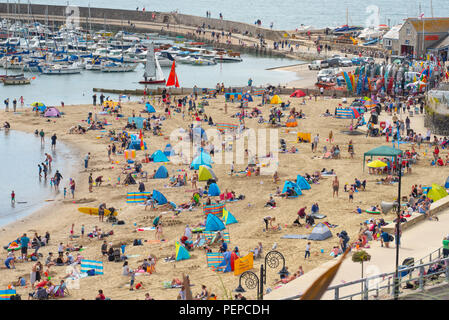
(390, 237)
(91, 272)
(120, 222)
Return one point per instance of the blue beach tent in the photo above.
(159, 156)
(302, 183)
(168, 151)
(159, 197)
(161, 173)
(203, 159)
(149, 108)
(293, 186)
(214, 191)
(213, 223)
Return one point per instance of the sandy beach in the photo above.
(58, 215)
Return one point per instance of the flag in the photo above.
(172, 78)
(421, 16)
(142, 146)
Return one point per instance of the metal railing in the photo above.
(383, 283)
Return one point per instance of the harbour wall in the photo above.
(86, 13)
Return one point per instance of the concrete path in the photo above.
(416, 242)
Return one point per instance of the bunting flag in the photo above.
(172, 78)
(369, 84)
(142, 146)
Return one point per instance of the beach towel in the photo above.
(153, 241)
(137, 197)
(6, 294)
(294, 236)
(210, 235)
(146, 229)
(87, 265)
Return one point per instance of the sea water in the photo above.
(285, 14)
(20, 154)
(77, 88)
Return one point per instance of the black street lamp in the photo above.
(252, 281)
(398, 223)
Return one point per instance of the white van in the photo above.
(318, 65)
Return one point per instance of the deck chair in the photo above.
(210, 235)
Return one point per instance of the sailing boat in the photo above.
(153, 72)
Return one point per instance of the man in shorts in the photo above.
(24, 241)
(101, 209)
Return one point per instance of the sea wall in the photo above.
(438, 123)
(139, 16)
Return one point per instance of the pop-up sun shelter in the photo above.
(213, 223)
(382, 151)
(159, 156)
(149, 108)
(181, 252)
(159, 197)
(228, 218)
(206, 173)
(203, 159)
(291, 122)
(292, 185)
(214, 191)
(298, 94)
(302, 183)
(168, 151)
(137, 120)
(248, 97)
(446, 185)
(437, 192)
(199, 134)
(276, 100)
(320, 232)
(161, 173)
(52, 112)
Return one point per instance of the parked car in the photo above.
(333, 62)
(345, 62)
(325, 75)
(368, 59)
(318, 65)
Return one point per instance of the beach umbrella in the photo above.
(377, 164)
(355, 113)
(37, 104)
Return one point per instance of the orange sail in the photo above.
(172, 78)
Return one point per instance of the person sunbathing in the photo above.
(287, 279)
(288, 193)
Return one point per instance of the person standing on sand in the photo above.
(94, 99)
(335, 186)
(331, 137)
(351, 194)
(194, 180)
(307, 253)
(21, 101)
(14, 105)
(49, 160)
(72, 187)
(86, 160)
(91, 182)
(101, 209)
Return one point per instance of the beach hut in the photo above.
(159, 156)
(206, 173)
(161, 173)
(159, 197)
(302, 183)
(203, 159)
(52, 112)
(213, 223)
(276, 100)
(149, 108)
(320, 232)
(214, 191)
(298, 94)
(181, 252)
(437, 192)
(228, 218)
